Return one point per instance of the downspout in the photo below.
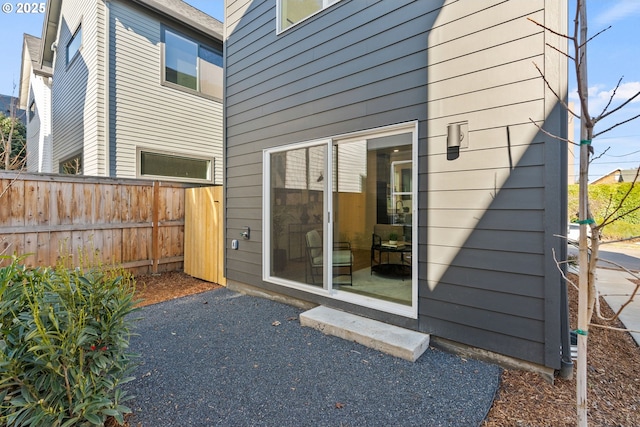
(566, 364)
(107, 89)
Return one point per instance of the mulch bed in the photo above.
(613, 378)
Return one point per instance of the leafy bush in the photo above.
(603, 199)
(63, 345)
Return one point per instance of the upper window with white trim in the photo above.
(290, 12)
(191, 65)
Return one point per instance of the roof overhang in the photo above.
(187, 15)
(31, 48)
(49, 32)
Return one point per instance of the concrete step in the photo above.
(393, 340)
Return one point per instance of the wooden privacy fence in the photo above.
(138, 224)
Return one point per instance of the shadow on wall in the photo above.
(495, 274)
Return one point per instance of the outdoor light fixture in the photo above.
(457, 138)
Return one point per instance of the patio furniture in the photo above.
(342, 259)
(390, 256)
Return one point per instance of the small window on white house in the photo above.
(290, 12)
(73, 47)
(191, 65)
(174, 166)
(32, 109)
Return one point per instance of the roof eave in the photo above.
(23, 90)
(164, 10)
(49, 32)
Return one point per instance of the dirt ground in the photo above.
(524, 399)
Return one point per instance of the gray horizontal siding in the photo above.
(74, 93)
(486, 210)
(145, 114)
(279, 90)
(483, 236)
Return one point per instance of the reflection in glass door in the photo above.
(296, 216)
(373, 215)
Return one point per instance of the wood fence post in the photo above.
(155, 249)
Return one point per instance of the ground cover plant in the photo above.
(64, 345)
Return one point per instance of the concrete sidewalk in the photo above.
(615, 286)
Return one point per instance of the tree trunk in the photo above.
(583, 214)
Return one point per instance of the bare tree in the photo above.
(588, 298)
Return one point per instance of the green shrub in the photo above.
(64, 345)
(621, 230)
(604, 198)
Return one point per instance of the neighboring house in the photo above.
(137, 89)
(7, 102)
(35, 98)
(411, 118)
(617, 175)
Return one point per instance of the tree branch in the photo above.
(546, 132)
(558, 97)
(613, 216)
(613, 328)
(613, 94)
(631, 295)
(564, 276)
(599, 155)
(616, 125)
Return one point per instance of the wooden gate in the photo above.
(204, 234)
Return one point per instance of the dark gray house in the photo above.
(388, 161)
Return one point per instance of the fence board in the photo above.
(31, 248)
(31, 203)
(43, 203)
(138, 224)
(16, 198)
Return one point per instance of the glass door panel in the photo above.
(296, 216)
(372, 197)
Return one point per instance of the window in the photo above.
(339, 218)
(175, 166)
(32, 109)
(290, 12)
(191, 65)
(73, 47)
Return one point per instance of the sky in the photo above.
(613, 55)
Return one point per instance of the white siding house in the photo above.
(137, 89)
(35, 99)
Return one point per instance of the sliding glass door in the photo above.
(339, 216)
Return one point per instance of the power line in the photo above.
(597, 163)
(622, 155)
